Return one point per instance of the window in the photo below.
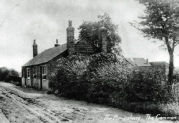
(28, 73)
(35, 72)
(23, 72)
(43, 69)
(38, 72)
(44, 72)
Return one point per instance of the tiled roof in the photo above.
(47, 55)
(141, 62)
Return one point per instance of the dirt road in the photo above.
(22, 105)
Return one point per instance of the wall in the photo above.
(45, 84)
(23, 82)
(28, 82)
(52, 65)
(36, 83)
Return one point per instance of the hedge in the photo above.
(106, 79)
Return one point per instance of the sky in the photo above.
(22, 21)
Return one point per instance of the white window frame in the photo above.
(28, 73)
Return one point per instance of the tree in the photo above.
(3, 73)
(13, 72)
(6, 73)
(89, 32)
(161, 21)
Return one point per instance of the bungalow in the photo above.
(35, 73)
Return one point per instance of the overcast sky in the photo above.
(22, 21)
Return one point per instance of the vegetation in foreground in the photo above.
(106, 79)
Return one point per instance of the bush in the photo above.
(145, 86)
(9, 75)
(106, 79)
(68, 78)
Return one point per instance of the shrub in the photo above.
(145, 86)
(107, 75)
(9, 75)
(68, 78)
(106, 79)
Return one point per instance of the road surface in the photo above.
(25, 105)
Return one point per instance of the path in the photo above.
(24, 105)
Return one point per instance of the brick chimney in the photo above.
(57, 44)
(70, 38)
(35, 50)
(103, 37)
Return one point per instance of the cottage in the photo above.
(35, 73)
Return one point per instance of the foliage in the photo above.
(3, 73)
(161, 21)
(106, 75)
(146, 86)
(9, 75)
(68, 74)
(13, 72)
(106, 79)
(89, 32)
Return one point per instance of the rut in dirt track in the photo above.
(28, 106)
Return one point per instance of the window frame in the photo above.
(44, 72)
(35, 72)
(28, 73)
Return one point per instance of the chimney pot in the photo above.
(34, 41)
(147, 61)
(70, 23)
(56, 45)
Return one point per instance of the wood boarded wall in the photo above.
(84, 47)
